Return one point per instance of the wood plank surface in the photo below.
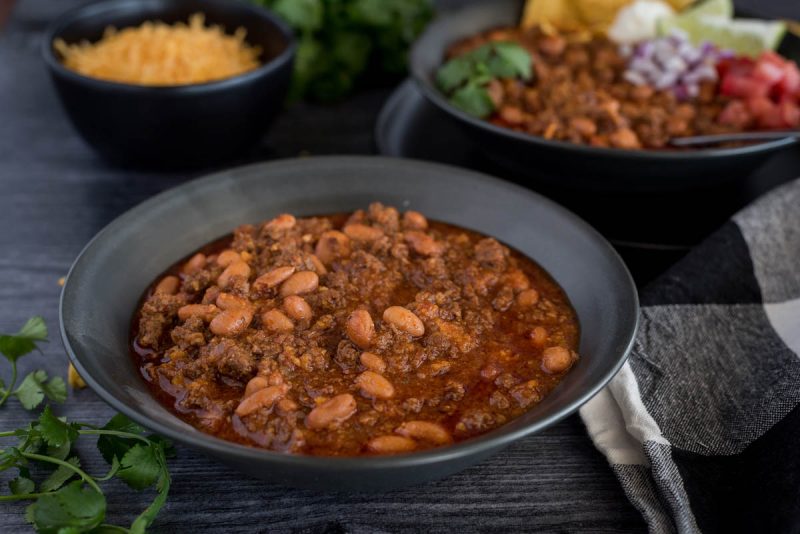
(56, 194)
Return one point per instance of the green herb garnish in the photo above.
(70, 500)
(36, 385)
(338, 40)
(464, 79)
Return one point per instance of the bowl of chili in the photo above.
(98, 310)
(628, 167)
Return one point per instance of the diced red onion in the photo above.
(672, 62)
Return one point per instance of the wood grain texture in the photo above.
(57, 194)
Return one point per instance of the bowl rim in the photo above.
(485, 443)
(425, 84)
(109, 7)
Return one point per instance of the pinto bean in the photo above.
(584, 126)
(423, 244)
(414, 220)
(226, 301)
(391, 444)
(528, 298)
(517, 280)
(276, 321)
(226, 257)
(205, 311)
(404, 320)
(374, 386)
(624, 138)
(319, 267)
(282, 222)
(538, 336)
(552, 45)
(297, 308)
(167, 286)
(275, 378)
(556, 360)
(362, 232)
(287, 405)
(425, 431)
(331, 246)
(300, 283)
(211, 294)
(373, 362)
(195, 264)
(273, 278)
(360, 328)
(263, 398)
(331, 412)
(255, 383)
(236, 269)
(231, 322)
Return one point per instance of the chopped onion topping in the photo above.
(672, 62)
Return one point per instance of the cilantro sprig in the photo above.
(340, 40)
(36, 385)
(464, 79)
(67, 499)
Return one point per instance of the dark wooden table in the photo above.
(56, 194)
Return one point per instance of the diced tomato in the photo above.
(735, 114)
(768, 71)
(771, 119)
(760, 105)
(743, 86)
(790, 113)
(770, 56)
(790, 83)
(766, 91)
(737, 65)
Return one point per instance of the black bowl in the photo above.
(177, 125)
(574, 165)
(104, 285)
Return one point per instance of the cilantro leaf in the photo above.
(144, 520)
(11, 457)
(304, 15)
(72, 507)
(58, 477)
(21, 485)
(56, 432)
(464, 78)
(473, 99)
(31, 438)
(511, 61)
(454, 73)
(61, 452)
(115, 446)
(139, 467)
(33, 389)
(13, 346)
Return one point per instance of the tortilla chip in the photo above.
(559, 14)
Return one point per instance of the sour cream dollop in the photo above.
(639, 21)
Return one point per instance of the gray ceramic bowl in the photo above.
(570, 164)
(107, 279)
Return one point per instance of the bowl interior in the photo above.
(429, 51)
(89, 22)
(106, 281)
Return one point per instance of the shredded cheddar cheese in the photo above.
(156, 53)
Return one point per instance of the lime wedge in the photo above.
(717, 8)
(747, 37)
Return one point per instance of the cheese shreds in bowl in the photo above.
(156, 53)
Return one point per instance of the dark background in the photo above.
(56, 194)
